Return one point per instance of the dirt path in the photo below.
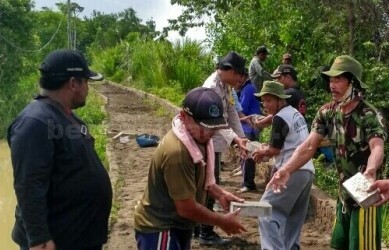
(129, 167)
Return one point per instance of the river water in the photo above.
(7, 199)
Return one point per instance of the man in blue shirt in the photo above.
(250, 106)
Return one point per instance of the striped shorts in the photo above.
(357, 229)
(172, 239)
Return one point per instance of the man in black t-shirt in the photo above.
(63, 191)
(287, 75)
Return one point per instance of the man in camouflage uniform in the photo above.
(357, 130)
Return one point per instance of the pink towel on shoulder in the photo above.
(194, 151)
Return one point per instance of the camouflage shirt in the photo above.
(350, 133)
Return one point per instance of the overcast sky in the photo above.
(158, 10)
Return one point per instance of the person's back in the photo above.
(181, 174)
(171, 161)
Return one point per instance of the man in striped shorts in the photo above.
(181, 175)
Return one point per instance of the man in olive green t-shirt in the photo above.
(178, 181)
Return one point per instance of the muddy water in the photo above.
(7, 199)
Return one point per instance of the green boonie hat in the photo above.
(343, 64)
(272, 88)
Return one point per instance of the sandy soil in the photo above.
(129, 167)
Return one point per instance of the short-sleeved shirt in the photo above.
(289, 130)
(172, 176)
(224, 137)
(296, 99)
(350, 133)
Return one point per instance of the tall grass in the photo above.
(153, 65)
(13, 98)
(94, 116)
(385, 224)
(190, 65)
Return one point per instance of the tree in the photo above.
(75, 8)
(15, 36)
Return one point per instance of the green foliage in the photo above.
(15, 36)
(108, 61)
(92, 112)
(377, 78)
(385, 225)
(147, 68)
(190, 65)
(98, 132)
(173, 93)
(93, 115)
(14, 98)
(264, 136)
(326, 177)
(157, 65)
(51, 21)
(108, 30)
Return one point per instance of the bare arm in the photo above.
(266, 151)
(224, 197)
(257, 121)
(303, 153)
(376, 157)
(196, 212)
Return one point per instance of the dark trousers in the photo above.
(248, 166)
(206, 230)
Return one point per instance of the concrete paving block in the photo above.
(357, 187)
(252, 208)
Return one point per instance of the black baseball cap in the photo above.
(235, 61)
(284, 69)
(63, 63)
(206, 108)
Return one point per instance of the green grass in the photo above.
(116, 205)
(94, 116)
(385, 224)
